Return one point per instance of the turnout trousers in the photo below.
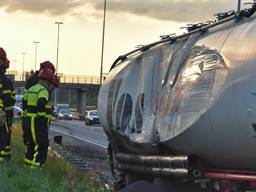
(9, 133)
(36, 141)
(5, 138)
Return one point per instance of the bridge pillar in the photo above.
(69, 96)
(81, 101)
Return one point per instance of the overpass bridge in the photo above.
(80, 92)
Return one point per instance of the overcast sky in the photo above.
(129, 23)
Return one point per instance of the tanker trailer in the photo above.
(182, 110)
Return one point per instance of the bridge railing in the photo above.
(80, 79)
(69, 79)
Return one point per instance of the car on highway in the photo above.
(64, 114)
(75, 113)
(17, 112)
(18, 100)
(59, 107)
(92, 117)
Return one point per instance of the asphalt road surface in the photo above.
(77, 130)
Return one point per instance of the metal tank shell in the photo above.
(196, 95)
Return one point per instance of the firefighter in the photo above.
(7, 102)
(35, 122)
(31, 81)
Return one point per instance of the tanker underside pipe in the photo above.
(173, 166)
(162, 161)
(168, 172)
(230, 176)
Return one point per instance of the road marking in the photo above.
(76, 137)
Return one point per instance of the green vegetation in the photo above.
(57, 175)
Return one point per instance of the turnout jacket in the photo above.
(35, 103)
(7, 95)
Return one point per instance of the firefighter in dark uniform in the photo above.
(7, 101)
(36, 125)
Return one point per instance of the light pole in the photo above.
(103, 41)
(23, 61)
(57, 58)
(36, 42)
(58, 43)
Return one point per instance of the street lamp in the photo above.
(23, 61)
(36, 42)
(58, 42)
(57, 59)
(103, 41)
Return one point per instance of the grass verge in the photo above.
(57, 175)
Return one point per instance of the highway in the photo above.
(78, 130)
(86, 141)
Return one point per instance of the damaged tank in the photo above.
(185, 106)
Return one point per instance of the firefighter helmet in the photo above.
(2, 54)
(47, 65)
(56, 80)
(5, 62)
(46, 74)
